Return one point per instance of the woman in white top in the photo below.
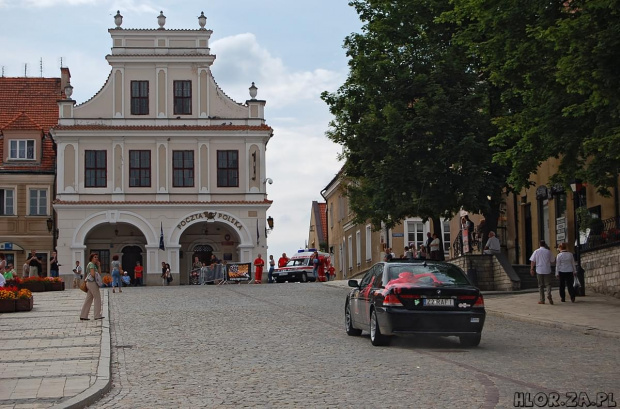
(565, 270)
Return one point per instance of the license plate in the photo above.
(439, 302)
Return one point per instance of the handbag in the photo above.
(169, 278)
(83, 286)
(576, 283)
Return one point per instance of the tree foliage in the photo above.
(556, 67)
(413, 117)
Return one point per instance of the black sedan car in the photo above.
(415, 297)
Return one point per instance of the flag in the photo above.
(257, 233)
(161, 238)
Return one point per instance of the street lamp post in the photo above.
(576, 187)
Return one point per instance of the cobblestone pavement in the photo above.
(284, 345)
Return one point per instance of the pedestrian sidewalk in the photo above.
(593, 314)
(49, 358)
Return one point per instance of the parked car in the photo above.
(403, 297)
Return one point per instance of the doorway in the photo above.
(131, 255)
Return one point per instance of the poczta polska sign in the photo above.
(212, 216)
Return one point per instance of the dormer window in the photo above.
(182, 97)
(21, 149)
(139, 97)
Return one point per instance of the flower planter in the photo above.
(7, 305)
(57, 286)
(34, 286)
(24, 304)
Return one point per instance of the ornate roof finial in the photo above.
(118, 19)
(161, 20)
(202, 20)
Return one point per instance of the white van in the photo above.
(299, 267)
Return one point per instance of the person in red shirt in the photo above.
(137, 274)
(283, 260)
(258, 264)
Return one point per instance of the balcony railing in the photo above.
(602, 234)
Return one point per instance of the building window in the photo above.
(182, 97)
(95, 169)
(183, 168)
(350, 252)
(21, 149)
(139, 168)
(415, 234)
(368, 242)
(7, 202)
(139, 97)
(104, 259)
(358, 247)
(446, 237)
(227, 168)
(38, 202)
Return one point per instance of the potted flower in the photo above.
(24, 300)
(7, 300)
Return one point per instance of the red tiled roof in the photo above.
(35, 97)
(163, 128)
(30, 104)
(149, 202)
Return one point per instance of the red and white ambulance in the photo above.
(300, 267)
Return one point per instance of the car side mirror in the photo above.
(353, 283)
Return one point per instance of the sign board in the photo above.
(560, 220)
(560, 237)
(560, 227)
(239, 271)
(398, 234)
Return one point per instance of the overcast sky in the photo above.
(291, 51)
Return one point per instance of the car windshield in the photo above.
(432, 274)
(297, 262)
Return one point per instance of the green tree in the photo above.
(555, 67)
(413, 118)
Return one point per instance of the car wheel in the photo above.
(348, 320)
(376, 337)
(470, 340)
(304, 278)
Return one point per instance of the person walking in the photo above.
(116, 273)
(93, 282)
(164, 275)
(541, 267)
(138, 271)
(566, 271)
(315, 265)
(54, 266)
(77, 274)
(272, 265)
(168, 275)
(258, 264)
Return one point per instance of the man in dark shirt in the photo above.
(34, 263)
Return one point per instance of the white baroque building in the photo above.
(160, 148)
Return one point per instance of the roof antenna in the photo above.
(60, 62)
(25, 69)
(3, 71)
(41, 66)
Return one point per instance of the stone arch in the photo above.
(113, 217)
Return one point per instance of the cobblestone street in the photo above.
(284, 345)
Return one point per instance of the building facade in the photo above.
(356, 247)
(161, 166)
(28, 109)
